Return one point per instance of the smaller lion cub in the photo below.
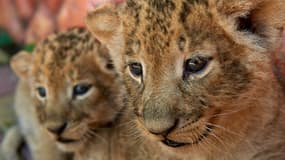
(74, 90)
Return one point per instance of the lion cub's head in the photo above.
(197, 71)
(73, 85)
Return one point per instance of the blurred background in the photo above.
(23, 23)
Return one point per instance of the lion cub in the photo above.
(73, 89)
(28, 129)
(198, 74)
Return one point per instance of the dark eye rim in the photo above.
(41, 92)
(204, 58)
(87, 87)
(132, 69)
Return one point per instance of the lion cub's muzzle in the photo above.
(63, 133)
(158, 120)
(57, 129)
(161, 123)
(167, 124)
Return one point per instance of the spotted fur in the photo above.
(58, 64)
(225, 111)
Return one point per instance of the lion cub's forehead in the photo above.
(63, 54)
(154, 24)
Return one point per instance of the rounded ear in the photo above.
(264, 18)
(20, 64)
(105, 24)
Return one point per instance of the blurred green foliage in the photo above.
(5, 39)
(29, 47)
(8, 47)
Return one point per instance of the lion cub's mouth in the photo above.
(200, 138)
(172, 143)
(66, 140)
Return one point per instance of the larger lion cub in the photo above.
(73, 89)
(198, 74)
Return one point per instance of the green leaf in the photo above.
(5, 39)
(29, 47)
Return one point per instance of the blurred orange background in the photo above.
(31, 20)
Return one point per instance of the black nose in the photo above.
(57, 129)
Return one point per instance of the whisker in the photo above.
(93, 133)
(225, 129)
(233, 133)
(205, 148)
(229, 113)
(222, 142)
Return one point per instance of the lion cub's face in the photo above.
(194, 70)
(73, 86)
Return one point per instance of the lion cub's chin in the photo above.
(184, 148)
(70, 145)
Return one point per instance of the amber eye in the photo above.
(81, 89)
(136, 69)
(42, 92)
(195, 64)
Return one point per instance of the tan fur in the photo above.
(122, 142)
(232, 109)
(28, 129)
(11, 143)
(59, 64)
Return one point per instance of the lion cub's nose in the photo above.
(57, 129)
(158, 120)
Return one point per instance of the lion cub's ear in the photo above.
(264, 18)
(105, 24)
(20, 64)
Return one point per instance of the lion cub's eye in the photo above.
(81, 89)
(42, 92)
(136, 69)
(196, 64)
